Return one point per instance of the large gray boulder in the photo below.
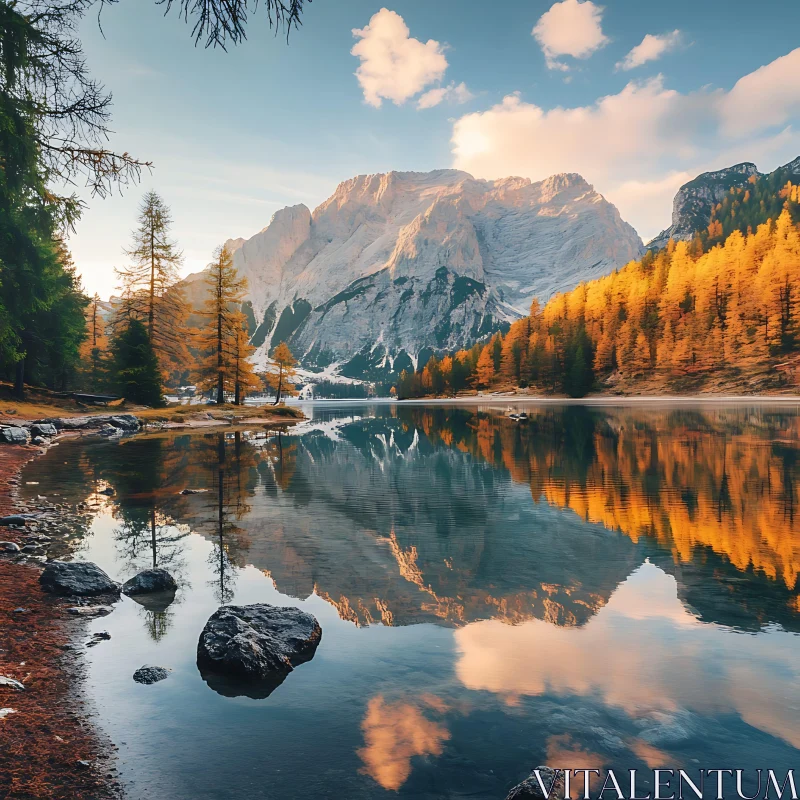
(126, 422)
(44, 429)
(257, 642)
(80, 578)
(149, 581)
(14, 435)
(530, 787)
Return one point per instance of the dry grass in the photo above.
(228, 411)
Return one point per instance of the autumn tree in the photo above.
(94, 350)
(281, 375)
(245, 380)
(220, 340)
(484, 370)
(149, 285)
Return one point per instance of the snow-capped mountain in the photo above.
(404, 262)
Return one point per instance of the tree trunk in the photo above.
(280, 386)
(220, 382)
(19, 380)
(151, 316)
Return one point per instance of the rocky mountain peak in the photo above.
(691, 208)
(395, 263)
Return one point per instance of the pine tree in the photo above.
(220, 339)
(281, 376)
(135, 365)
(150, 288)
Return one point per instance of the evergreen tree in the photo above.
(136, 372)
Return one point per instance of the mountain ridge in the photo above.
(695, 200)
(393, 264)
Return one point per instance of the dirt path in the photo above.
(49, 749)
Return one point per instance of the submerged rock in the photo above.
(148, 674)
(90, 611)
(530, 786)
(257, 642)
(80, 578)
(9, 547)
(149, 581)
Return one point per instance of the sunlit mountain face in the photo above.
(592, 587)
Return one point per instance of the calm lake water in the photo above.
(599, 587)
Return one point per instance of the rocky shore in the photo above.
(50, 749)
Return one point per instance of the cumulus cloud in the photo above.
(767, 97)
(570, 28)
(639, 145)
(651, 48)
(453, 93)
(395, 66)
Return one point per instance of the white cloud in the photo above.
(651, 48)
(453, 93)
(570, 28)
(395, 66)
(768, 97)
(639, 145)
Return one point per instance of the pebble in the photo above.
(11, 683)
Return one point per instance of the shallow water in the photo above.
(596, 588)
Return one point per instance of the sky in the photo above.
(638, 97)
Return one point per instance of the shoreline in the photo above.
(51, 750)
(590, 400)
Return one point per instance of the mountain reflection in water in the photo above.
(588, 576)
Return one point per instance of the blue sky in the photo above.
(528, 87)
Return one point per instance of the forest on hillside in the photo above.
(723, 306)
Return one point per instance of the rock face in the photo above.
(530, 786)
(148, 674)
(691, 208)
(80, 578)
(257, 642)
(149, 581)
(397, 263)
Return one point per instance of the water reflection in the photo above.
(607, 587)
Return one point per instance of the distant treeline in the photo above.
(329, 390)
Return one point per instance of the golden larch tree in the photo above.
(220, 339)
(282, 374)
